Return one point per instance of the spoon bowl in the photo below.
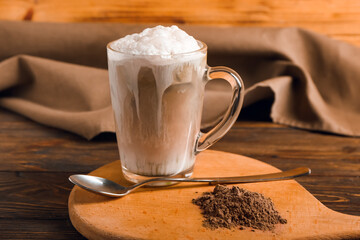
(111, 189)
(99, 185)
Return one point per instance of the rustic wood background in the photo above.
(339, 19)
(36, 160)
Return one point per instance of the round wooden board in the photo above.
(167, 213)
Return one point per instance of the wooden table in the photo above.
(36, 161)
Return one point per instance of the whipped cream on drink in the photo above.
(157, 87)
(159, 40)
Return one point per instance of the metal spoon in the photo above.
(109, 188)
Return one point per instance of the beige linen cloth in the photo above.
(56, 74)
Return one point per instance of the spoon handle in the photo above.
(293, 173)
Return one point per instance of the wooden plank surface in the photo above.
(16, 9)
(38, 229)
(151, 213)
(36, 161)
(339, 19)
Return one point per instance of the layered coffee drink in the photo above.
(157, 86)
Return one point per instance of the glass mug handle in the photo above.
(205, 140)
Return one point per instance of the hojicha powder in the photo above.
(237, 207)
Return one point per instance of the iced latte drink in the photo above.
(157, 81)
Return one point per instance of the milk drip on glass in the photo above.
(157, 86)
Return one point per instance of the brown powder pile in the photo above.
(237, 207)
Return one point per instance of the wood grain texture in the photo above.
(38, 229)
(16, 9)
(36, 161)
(34, 195)
(38, 150)
(139, 215)
(336, 18)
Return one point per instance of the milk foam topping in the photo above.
(159, 40)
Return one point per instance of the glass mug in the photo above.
(157, 103)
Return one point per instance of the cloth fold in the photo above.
(55, 74)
